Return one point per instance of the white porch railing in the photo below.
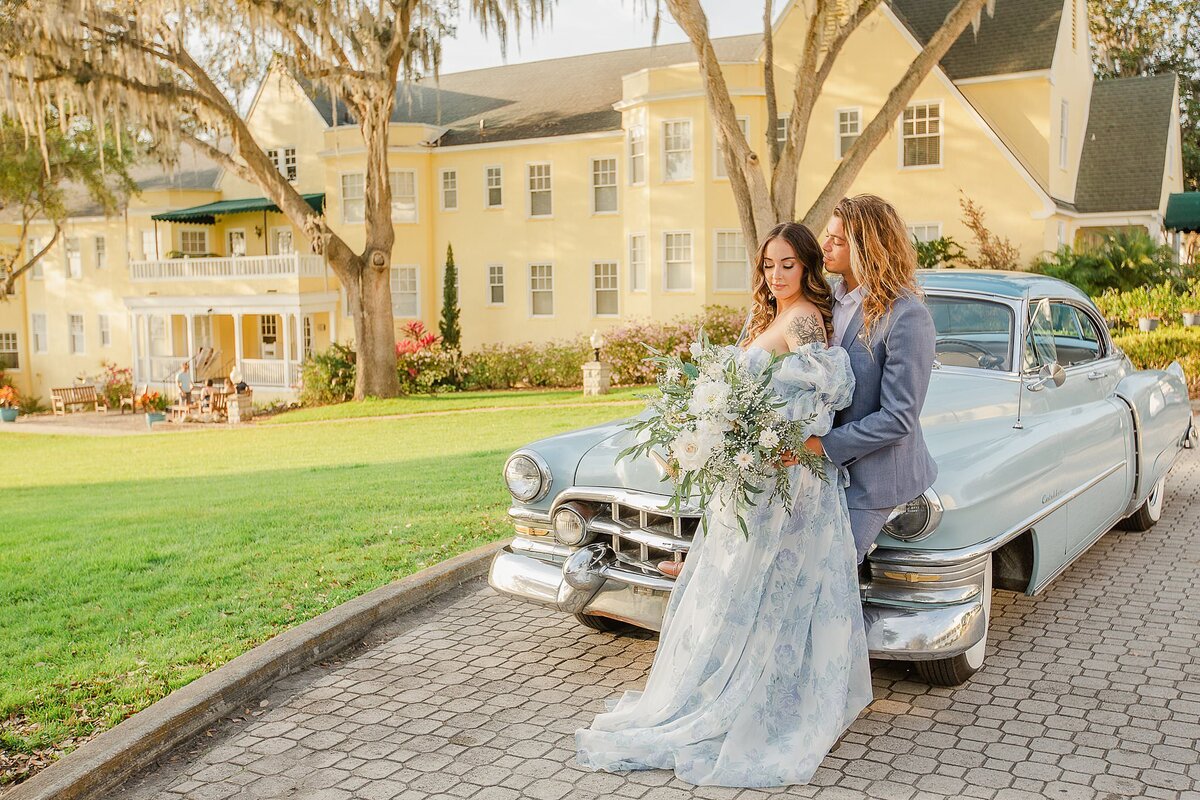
(190, 269)
(269, 372)
(163, 368)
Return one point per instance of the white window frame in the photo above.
(909, 229)
(644, 262)
(786, 119)
(719, 173)
(71, 342)
(442, 189)
(487, 187)
(529, 280)
(615, 185)
(274, 244)
(717, 261)
(100, 252)
(74, 266)
(279, 156)
(203, 232)
(16, 349)
(104, 325)
(666, 272)
(838, 152)
(416, 197)
(344, 198)
(306, 336)
(41, 338)
(529, 165)
(149, 236)
(33, 246)
(492, 284)
(1064, 133)
(691, 150)
(637, 135)
(416, 293)
(616, 276)
(229, 232)
(1061, 233)
(941, 135)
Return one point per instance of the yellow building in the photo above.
(580, 191)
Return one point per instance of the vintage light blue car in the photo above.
(1044, 434)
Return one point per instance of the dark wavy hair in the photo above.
(812, 283)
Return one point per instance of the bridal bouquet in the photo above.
(720, 423)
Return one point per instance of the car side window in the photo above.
(1076, 339)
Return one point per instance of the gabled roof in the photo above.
(1125, 146)
(1020, 37)
(558, 97)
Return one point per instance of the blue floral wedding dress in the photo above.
(762, 658)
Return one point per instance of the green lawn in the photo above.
(455, 401)
(133, 565)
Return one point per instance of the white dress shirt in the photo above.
(845, 304)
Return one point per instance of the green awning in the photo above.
(207, 214)
(1183, 212)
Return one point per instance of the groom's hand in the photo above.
(813, 445)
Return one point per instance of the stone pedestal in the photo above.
(239, 408)
(596, 378)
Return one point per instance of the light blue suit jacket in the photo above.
(878, 436)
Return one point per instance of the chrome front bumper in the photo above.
(924, 623)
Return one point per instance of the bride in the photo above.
(762, 658)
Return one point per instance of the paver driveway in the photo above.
(1090, 691)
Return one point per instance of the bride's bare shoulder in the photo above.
(803, 325)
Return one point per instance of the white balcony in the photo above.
(270, 372)
(243, 267)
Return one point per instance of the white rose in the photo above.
(768, 439)
(695, 349)
(708, 396)
(711, 432)
(690, 450)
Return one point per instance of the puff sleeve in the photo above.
(815, 380)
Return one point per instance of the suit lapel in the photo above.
(856, 323)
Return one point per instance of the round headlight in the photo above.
(569, 527)
(916, 519)
(527, 480)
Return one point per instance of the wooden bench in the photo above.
(74, 396)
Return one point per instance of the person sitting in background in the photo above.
(229, 387)
(206, 395)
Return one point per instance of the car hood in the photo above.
(963, 411)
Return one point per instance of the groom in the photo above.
(880, 319)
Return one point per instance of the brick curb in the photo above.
(106, 761)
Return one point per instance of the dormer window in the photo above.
(284, 159)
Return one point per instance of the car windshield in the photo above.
(972, 332)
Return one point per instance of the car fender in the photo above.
(1162, 414)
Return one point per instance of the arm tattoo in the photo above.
(806, 329)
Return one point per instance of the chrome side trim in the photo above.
(541, 548)
(919, 558)
(529, 516)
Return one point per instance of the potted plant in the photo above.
(1147, 320)
(155, 405)
(8, 403)
(1191, 319)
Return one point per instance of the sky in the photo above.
(592, 26)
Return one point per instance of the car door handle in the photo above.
(1096, 375)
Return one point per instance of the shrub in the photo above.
(1157, 349)
(1161, 300)
(995, 252)
(940, 252)
(31, 404)
(421, 362)
(1123, 261)
(114, 383)
(328, 377)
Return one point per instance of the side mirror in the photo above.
(1049, 373)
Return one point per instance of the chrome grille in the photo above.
(639, 532)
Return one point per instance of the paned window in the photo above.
(404, 291)
(101, 253)
(604, 288)
(38, 326)
(284, 159)
(354, 199)
(922, 133)
(105, 330)
(36, 272)
(496, 284)
(925, 232)
(677, 150)
(540, 188)
(404, 195)
(604, 185)
(849, 128)
(733, 267)
(637, 148)
(719, 153)
(75, 332)
(74, 257)
(494, 178)
(541, 290)
(638, 266)
(193, 243)
(449, 190)
(10, 357)
(677, 261)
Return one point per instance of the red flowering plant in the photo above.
(153, 401)
(421, 361)
(115, 383)
(9, 398)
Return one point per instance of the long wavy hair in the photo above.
(812, 283)
(882, 256)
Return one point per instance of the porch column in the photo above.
(191, 342)
(333, 324)
(287, 347)
(237, 339)
(139, 369)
